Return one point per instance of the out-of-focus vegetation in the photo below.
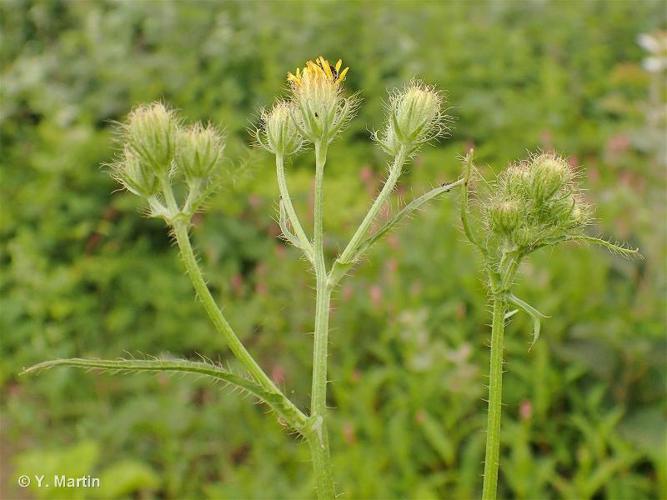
(82, 274)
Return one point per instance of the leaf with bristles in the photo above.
(276, 401)
(510, 314)
(406, 211)
(612, 247)
(535, 315)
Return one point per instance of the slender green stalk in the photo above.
(319, 438)
(289, 208)
(216, 316)
(492, 455)
(394, 174)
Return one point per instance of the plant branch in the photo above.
(395, 170)
(217, 318)
(302, 241)
(277, 402)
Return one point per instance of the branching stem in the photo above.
(217, 318)
(394, 173)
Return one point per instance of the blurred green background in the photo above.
(83, 274)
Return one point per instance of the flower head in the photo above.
(321, 110)
(150, 133)
(199, 152)
(415, 117)
(318, 73)
(278, 133)
(134, 174)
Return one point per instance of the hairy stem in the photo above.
(319, 438)
(492, 455)
(394, 173)
(289, 208)
(215, 315)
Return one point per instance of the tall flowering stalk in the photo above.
(534, 204)
(316, 112)
(162, 157)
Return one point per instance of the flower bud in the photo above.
(199, 152)
(524, 236)
(135, 175)
(580, 215)
(278, 133)
(415, 117)
(321, 109)
(516, 182)
(151, 135)
(505, 216)
(549, 175)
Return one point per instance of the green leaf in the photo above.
(275, 400)
(532, 312)
(406, 211)
(612, 247)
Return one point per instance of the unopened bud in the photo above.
(581, 213)
(278, 133)
(516, 181)
(505, 216)
(151, 135)
(415, 117)
(199, 152)
(549, 175)
(135, 175)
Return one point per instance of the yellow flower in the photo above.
(318, 72)
(321, 110)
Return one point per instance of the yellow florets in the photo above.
(318, 72)
(317, 93)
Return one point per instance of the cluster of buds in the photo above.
(157, 150)
(415, 117)
(536, 203)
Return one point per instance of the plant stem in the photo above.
(289, 207)
(394, 173)
(492, 456)
(220, 322)
(319, 438)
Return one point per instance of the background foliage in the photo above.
(82, 274)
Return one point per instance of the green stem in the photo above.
(319, 438)
(394, 173)
(492, 456)
(217, 318)
(289, 208)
